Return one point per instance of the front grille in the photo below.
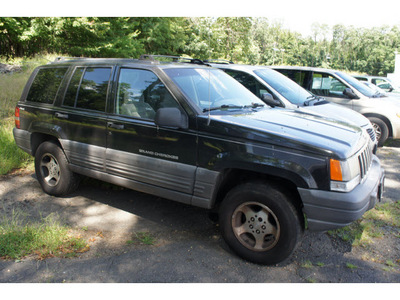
(364, 160)
(371, 133)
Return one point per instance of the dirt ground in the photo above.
(188, 247)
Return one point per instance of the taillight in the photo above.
(17, 121)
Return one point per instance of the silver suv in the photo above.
(341, 88)
(279, 91)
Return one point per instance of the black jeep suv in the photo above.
(193, 134)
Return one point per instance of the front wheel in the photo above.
(259, 223)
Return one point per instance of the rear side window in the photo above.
(88, 88)
(45, 86)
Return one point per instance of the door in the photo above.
(82, 117)
(150, 158)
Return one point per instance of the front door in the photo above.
(144, 156)
(329, 87)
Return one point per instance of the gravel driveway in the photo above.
(188, 246)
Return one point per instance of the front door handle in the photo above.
(115, 126)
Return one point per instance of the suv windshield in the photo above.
(212, 89)
(362, 88)
(285, 86)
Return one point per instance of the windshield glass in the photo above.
(285, 86)
(210, 88)
(362, 88)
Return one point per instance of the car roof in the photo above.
(238, 66)
(141, 62)
(305, 68)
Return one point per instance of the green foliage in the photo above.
(370, 227)
(11, 157)
(241, 39)
(45, 239)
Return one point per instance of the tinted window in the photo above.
(92, 92)
(249, 82)
(72, 91)
(45, 85)
(141, 94)
(297, 76)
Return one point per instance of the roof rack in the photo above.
(218, 61)
(152, 57)
(64, 58)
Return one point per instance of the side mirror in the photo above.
(268, 99)
(349, 93)
(171, 117)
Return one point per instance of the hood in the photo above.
(337, 112)
(291, 128)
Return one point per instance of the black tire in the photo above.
(381, 130)
(52, 172)
(260, 224)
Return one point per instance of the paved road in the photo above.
(188, 246)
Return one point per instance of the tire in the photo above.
(381, 130)
(260, 224)
(52, 172)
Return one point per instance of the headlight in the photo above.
(345, 175)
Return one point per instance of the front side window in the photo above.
(88, 88)
(327, 86)
(141, 93)
(45, 86)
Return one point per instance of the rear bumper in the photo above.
(327, 210)
(23, 139)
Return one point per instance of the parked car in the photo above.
(383, 83)
(191, 133)
(341, 88)
(279, 91)
(379, 90)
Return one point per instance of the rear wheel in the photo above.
(259, 223)
(52, 170)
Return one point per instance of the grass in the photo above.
(44, 239)
(11, 157)
(142, 238)
(11, 87)
(370, 227)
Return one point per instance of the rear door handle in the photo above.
(115, 126)
(61, 116)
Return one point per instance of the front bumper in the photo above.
(326, 210)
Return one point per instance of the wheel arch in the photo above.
(234, 177)
(383, 118)
(38, 138)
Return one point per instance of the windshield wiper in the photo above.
(221, 107)
(254, 105)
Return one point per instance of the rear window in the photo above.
(45, 86)
(88, 88)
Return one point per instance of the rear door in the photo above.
(82, 118)
(143, 155)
